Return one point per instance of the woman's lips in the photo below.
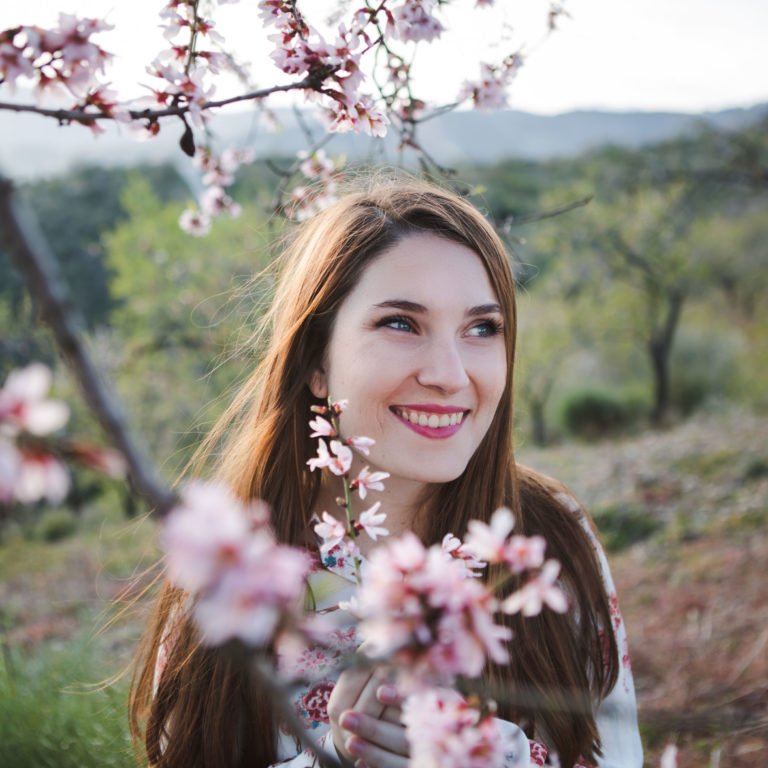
(408, 415)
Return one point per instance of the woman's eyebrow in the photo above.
(412, 306)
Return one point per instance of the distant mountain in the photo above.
(31, 146)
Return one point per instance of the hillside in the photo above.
(32, 147)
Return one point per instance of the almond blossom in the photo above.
(338, 460)
(490, 542)
(370, 521)
(40, 475)
(418, 606)
(24, 406)
(321, 427)
(414, 21)
(444, 731)
(538, 592)
(368, 481)
(361, 444)
(245, 585)
(331, 531)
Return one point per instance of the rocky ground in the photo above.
(686, 512)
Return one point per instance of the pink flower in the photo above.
(368, 481)
(249, 600)
(414, 21)
(488, 542)
(418, 606)
(23, 403)
(370, 521)
(444, 731)
(10, 466)
(41, 476)
(322, 427)
(195, 222)
(539, 591)
(245, 585)
(453, 547)
(338, 461)
(362, 444)
(524, 552)
(331, 531)
(490, 91)
(206, 533)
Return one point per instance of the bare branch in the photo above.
(39, 268)
(82, 116)
(516, 221)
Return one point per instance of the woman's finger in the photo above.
(390, 737)
(368, 702)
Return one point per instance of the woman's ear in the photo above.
(318, 384)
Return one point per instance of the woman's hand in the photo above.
(364, 712)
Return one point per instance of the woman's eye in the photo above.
(485, 328)
(397, 323)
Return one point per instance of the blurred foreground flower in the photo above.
(245, 585)
(444, 731)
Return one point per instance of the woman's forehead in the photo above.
(425, 269)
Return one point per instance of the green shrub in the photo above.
(49, 718)
(56, 525)
(594, 413)
(622, 525)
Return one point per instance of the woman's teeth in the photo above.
(431, 419)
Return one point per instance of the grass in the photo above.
(53, 712)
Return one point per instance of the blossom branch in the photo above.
(46, 284)
(82, 116)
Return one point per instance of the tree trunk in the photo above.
(660, 350)
(539, 426)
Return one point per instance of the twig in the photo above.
(82, 116)
(515, 221)
(45, 282)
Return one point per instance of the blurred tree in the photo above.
(186, 300)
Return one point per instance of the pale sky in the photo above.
(671, 55)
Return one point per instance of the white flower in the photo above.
(539, 591)
(370, 521)
(331, 531)
(369, 481)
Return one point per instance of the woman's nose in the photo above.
(442, 366)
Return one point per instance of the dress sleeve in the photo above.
(308, 759)
(616, 714)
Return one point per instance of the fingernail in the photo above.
(349, 720)
(355, 746)
(387, 694)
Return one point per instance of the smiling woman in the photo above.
(400, 299)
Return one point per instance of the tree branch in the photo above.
(38, 266)
(82, 116)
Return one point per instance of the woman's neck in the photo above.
(399, 501)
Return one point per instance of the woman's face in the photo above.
(417, 348)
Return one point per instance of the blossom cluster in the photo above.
(336, 455)
(443, 729)
(318, 188)
(218, 174)
(31, 466)
(27, 473)
(223, 552)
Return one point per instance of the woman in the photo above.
(400, 299)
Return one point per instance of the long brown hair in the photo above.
(203, 711)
